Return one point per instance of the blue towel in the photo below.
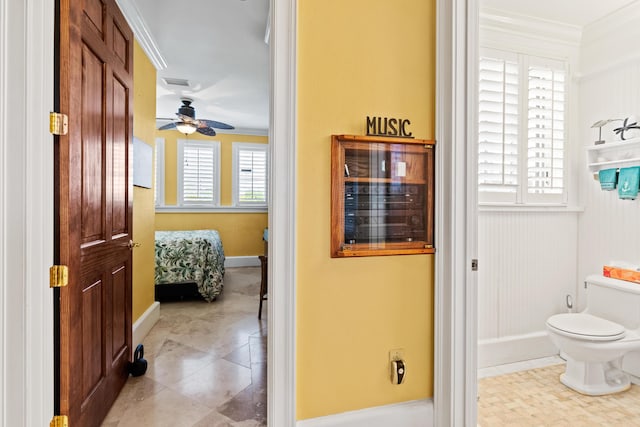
(608, 179)
(628, 182)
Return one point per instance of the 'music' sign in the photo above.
(384, 126)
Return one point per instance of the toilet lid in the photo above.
(587, 326)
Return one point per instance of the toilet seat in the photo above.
(586, 327)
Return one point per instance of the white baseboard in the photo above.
(416, 413)
(143, 325)
(242, 261)
(515, 348)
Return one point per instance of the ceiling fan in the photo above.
(187, 123)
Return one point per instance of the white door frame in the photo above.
(26, 212)
(455, 347)
(26, 215)
(281, 376)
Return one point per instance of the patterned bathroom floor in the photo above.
(536, 397)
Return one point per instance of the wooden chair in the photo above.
(263, 282)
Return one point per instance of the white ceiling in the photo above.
(219, 47)
(573, 12)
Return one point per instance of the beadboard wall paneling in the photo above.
(527, 267)
(527, 259)
(609, 228)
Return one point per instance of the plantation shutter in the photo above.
(251, 180)
(498, 126)
(521, 128)
(199, 161)
(546, 112)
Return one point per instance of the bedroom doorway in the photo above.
(33, 340)
(222, 338)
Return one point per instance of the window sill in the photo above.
(208, 209)
(511, 207)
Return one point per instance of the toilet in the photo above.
(596, 340)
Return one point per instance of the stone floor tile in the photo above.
(202, 356)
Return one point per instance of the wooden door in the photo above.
(93, 208)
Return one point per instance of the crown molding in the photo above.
(619, 28)
(612, 23)
(530, 26)
(142, 33)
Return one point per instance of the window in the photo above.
(249, 174)
(521, 134)
(198, 170)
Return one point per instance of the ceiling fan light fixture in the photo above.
(186, 128)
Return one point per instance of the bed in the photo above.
(188, 263)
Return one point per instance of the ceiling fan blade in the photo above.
(167, 126)
(206, 131)
(217, 125)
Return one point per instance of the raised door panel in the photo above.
(93, 147)
(118, 311)
(121, 47)
(94, 12)
(92, 336)
(120, 160)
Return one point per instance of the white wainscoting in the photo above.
(416, 413)
(527, 266)
(609, 229)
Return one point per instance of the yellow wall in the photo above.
(241, 233)
(359, 58)
(144, 113)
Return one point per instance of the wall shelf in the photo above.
(616, 154)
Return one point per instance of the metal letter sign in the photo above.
(384, 126)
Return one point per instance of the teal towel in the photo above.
(628, 182)
(608, 179)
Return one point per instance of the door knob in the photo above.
(133, 244)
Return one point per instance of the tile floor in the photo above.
(207, 367)
(207, 363)
(509, 396)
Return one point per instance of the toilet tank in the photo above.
(615, 300)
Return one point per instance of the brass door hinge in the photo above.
(59, 421)
(58, 276)
(58, 123)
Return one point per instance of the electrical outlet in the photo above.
(396, 354)
(397, 366)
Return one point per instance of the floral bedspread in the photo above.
(191, 256)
